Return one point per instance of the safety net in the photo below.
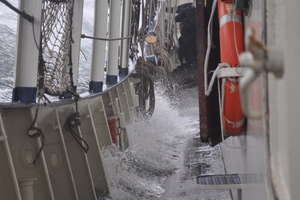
(55, 63)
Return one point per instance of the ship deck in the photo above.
(196, 158)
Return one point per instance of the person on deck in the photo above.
(187, 40)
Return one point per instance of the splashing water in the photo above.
(140, 171)
(157, 147)
(158, 163)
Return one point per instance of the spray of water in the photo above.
(140, 171)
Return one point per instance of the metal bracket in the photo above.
(245, 5)
(238, 4)
(257, 59)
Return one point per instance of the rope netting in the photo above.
(55, 65)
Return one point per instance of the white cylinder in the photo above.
(99, 46)
(27, 54)
(125, 33)
(113, 46)
(77, 23)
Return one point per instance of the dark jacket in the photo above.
(183, 6)
(188, 18)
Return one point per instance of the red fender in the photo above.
(233, 118)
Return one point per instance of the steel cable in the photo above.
(22, 14)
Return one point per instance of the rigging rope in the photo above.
(22, 14)
(105, 39)
(150, 15)
(119, 133)
(36, 132)
(147, 70)
(72, 122)
(134, 28)
(164, 66)
(209, 44)
(146, 90)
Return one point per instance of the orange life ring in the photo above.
(233, 118)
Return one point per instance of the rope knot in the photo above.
(72, 122)
(232, 87)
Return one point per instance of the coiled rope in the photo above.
(164, 68)
(146, 89)
(142, 67)
(147, 70)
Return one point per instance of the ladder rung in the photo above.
(226, 181)
(219, 179)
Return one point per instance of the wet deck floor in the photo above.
(197, 158)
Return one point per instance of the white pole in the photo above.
(113, 46)
(98, 54)
(27, 54)
(77, 24)
(125, 33)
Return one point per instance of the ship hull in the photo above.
(267, 149)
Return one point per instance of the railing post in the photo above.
(113, 46)
(125, 33)
(77, 23)
(27, 54)
(76, 37)
(98, 54)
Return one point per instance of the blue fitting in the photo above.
(24, 94)
(95, 87)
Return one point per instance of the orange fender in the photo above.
(233, 118)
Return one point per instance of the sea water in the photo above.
(159, 164)
(155, 165)
(8, 29)
(140, 171)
